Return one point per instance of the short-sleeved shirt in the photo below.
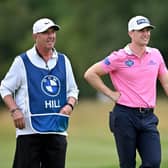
(135, 77)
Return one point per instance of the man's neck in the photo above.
(44, 53)
(137, 49)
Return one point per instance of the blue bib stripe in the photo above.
(47, 95)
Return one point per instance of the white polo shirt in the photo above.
(15, 82)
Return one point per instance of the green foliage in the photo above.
(90, 29)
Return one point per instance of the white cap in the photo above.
(43, 24)
(138, 23)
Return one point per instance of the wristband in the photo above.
(13, 110)
(69, 104)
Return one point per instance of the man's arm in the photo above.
(17, 115)
(164, 82)
(93, 77)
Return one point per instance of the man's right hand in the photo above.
(18, 119)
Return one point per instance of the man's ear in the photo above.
(34, 36)
(130, 33)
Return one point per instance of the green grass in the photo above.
(90, 142)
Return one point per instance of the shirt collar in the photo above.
(55, 53)
(129, 52)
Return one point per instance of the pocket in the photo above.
(154, 119)
(62, 123)
(111, 121)
(50, 123)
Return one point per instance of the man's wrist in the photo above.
(14, 110)
(72, 106)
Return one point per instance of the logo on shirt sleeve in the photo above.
(107, 61)
(129, 63)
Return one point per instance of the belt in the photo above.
(138, 109)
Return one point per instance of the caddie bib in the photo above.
(47, 95)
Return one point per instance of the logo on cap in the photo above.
(141, 21)
(46, 22)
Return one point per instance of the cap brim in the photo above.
(56, 27)
(145, 26)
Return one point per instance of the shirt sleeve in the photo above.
(72, 89)
(12, 79)
(110, 62)
(162, 68)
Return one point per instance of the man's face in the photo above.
(46, 39)
(141, 37)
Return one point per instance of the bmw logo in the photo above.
(51, 85)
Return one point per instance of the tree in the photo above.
(91, 29)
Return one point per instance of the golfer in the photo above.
(134, 71)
